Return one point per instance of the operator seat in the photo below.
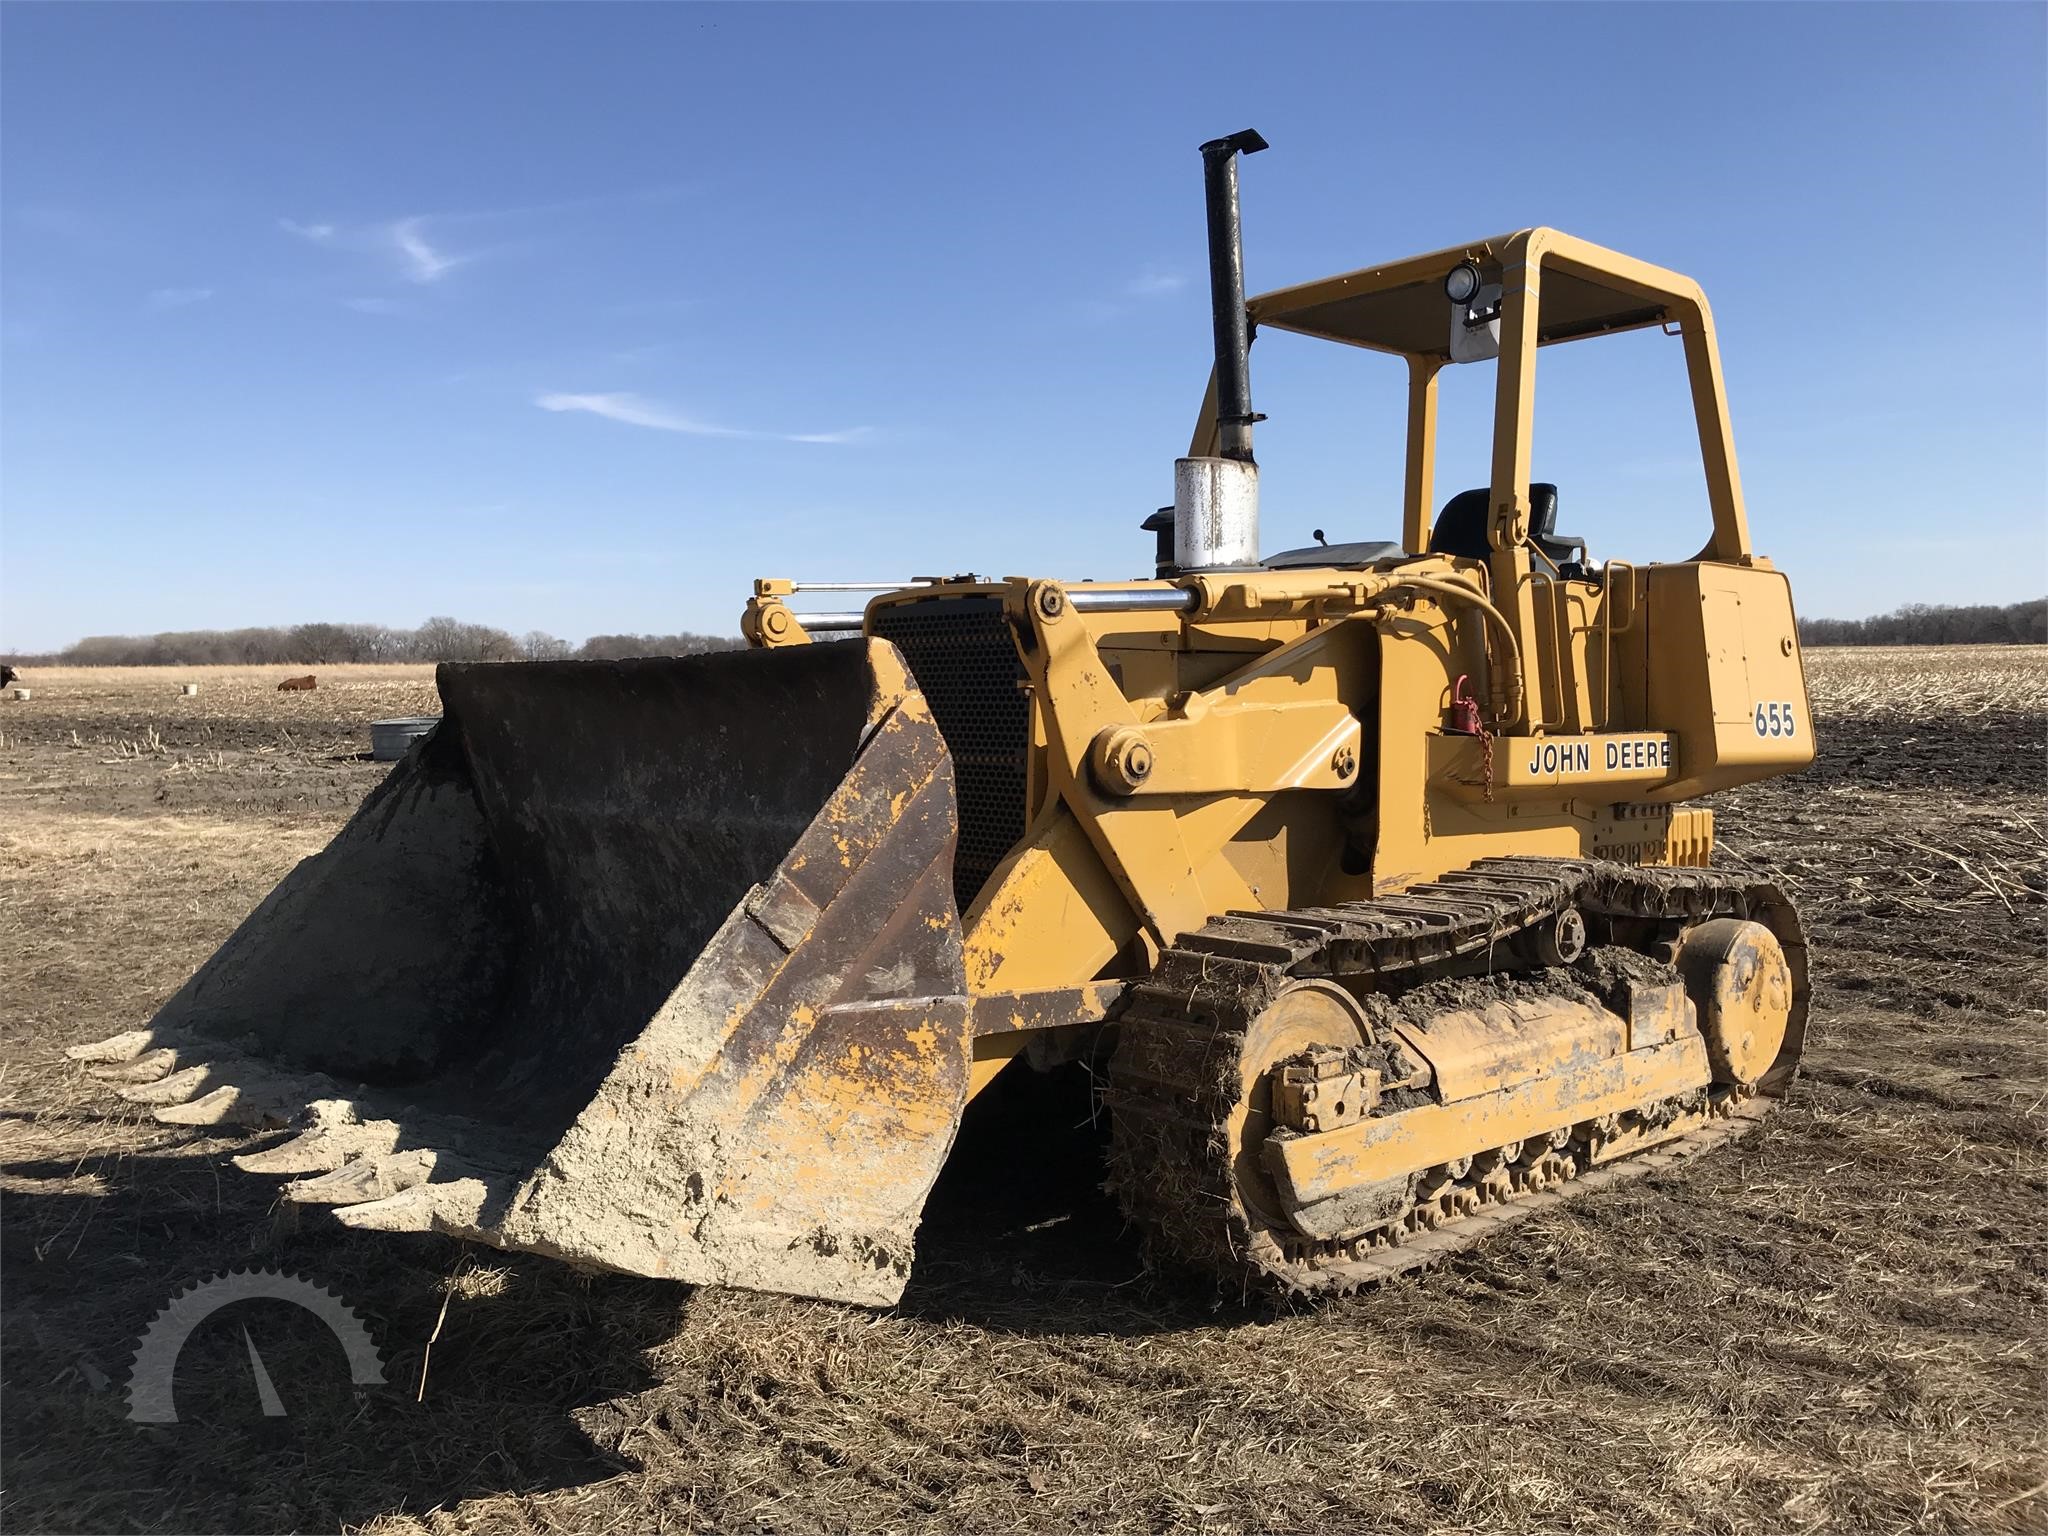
(1460, 529)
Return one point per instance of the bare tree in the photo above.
(619, 647)
(440, 639)
(311, 643)
(318, 644)
(539, 645)
(1936, 624)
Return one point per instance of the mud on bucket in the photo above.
(652, 965)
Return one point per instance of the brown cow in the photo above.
(7, 676)
(297, 684)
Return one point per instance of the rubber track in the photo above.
(1174, 1080)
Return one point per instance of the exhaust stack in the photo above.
(1216, 500)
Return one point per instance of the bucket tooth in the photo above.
(455, 1209)
(307, 1152)
(248, 1095)
(125, 1046)
(366, 1179)
(220, 1106)
(149, 1067)
(324, 1148)
(179, 1087)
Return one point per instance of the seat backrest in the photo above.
(1460, 528)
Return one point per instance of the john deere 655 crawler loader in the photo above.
(1364, 868)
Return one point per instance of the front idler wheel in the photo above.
(1740, 982)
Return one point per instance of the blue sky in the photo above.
(578, 318)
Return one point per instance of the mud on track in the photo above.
(1836, 1324)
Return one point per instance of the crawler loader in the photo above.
(1363, 871)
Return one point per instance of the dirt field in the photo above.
(1838, 1324)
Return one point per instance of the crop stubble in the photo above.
(1835, 1324)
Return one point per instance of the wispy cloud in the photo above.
(419, 257)
(1150, 285)
(423, 247)
(635, 411)
(177, 298)
(1155, 283)
(423, 263)
(372, 306)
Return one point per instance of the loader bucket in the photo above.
(649, 965)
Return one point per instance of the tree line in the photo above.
(438, 639)
(1937, 624)
(445, 639)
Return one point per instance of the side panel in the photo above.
(1446, 800)
(1724, 675)
(1433, 812)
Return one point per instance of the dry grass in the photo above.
(1836, 1325)
(109, 707)
(1902, 682)
(143, 680)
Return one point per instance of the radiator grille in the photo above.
(965, 662)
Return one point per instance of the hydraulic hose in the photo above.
(1504, 679)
